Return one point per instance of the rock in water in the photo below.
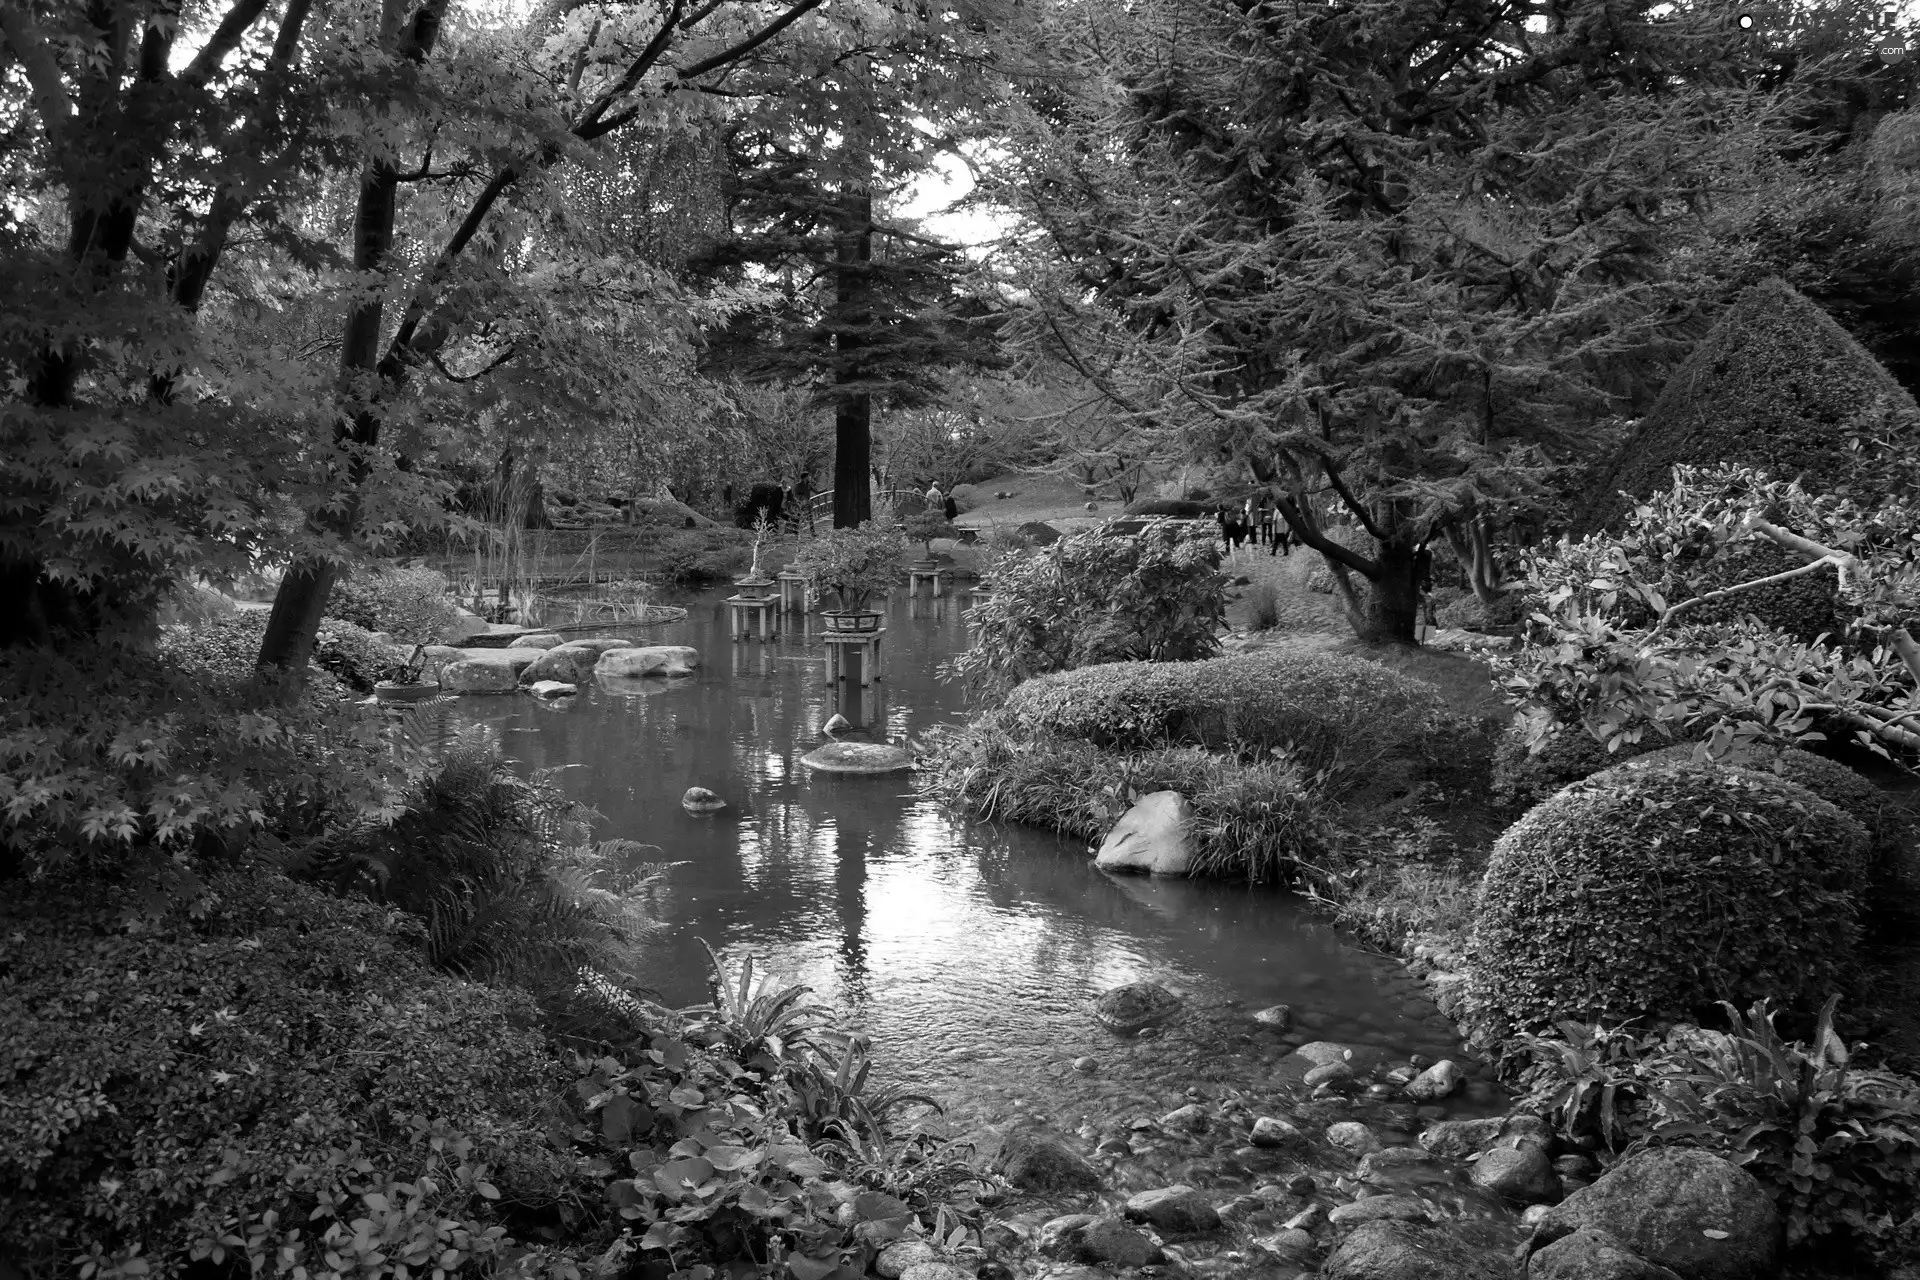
(1126, 1010)
(1278, 1017)
(1153, 836)
(1270, 1132)
(1410, 1251)
(552, 689)
(1592, 1255)
(1352, 1137)
(653, 660)
(701, 800)
(1437, 1081)
(836, 723)
(858, 757)
(1685, 1209)
(1179, 1209)
(1034, 1161)
(1521, 1174)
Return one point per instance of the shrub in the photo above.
(1838, 1147)
(700, 555)
(355, 656)
(1654, 892)
(1156, 595)
(411, 605)
(856, 564)
(1523, 777)
(498, 869)
(1331, 713)
(1257, 820)
(1263, 606)
(1886, 823)
(175, 1077)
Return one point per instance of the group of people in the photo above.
(1257, 523)
(939, 503)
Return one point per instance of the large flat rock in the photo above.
(647, 660)
(858, 757)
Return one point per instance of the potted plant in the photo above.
(403, 682)
(754, 586)
(923, 527)
(855, 565)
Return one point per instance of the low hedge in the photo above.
(174, 1076)
(1656, 892)
(1523, 778)
(1256, 820)
(1336, 713)
(411, 605)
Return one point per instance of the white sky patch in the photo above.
(927, 198)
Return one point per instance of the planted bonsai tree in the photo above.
(856, 564)
(924, 526)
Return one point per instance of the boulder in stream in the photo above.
(1411, 1251)
(1520, 1174)
(1437, 1081)
(1178, 1209)
(1034, 1161)
(1126, 1010)
(1276, 1017)
(650, 660)
(1588, 1254)
(701, 800)
(569, 662)
(1687, 1210)
(1153, 836)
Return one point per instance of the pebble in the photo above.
(1304, 1219)
(1279, 1017)
(1301, 1184)
(1353, 1137)
(1290, 1243)
(1191, 1118)
(1437, 1081)
(1085, 1066)
(1330, 1074)
(1381, 1209)
(1271, 1132)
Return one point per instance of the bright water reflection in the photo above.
(968, 952)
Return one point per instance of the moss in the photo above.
(1775, 384)
(1655, 892)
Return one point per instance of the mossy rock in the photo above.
(1654, 893)
(1775, 384)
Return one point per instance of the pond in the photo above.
(969, 952)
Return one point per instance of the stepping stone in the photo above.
(858, 757)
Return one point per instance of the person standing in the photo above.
(952, 509)
(936, 500)
(1423, 582)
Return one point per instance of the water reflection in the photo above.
(968, 951)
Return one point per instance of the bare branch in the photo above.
(752, 42)
(633, 75)
(698, 15)
(1738, 587)
(451, 376)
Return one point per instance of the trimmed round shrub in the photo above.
(1337, 712)
(1802, 607)
(1886, 823)
(1656, 892)
(1522, 779)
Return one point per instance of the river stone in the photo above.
(701, 800)
(858, 757)
(599, 644)
(1396, 1162)
(1332, 1073)
(1662, 1203)
(1056, 1234)
(935, 1270)
(901, 1254)
(1523, 1175)
(1437, 1081)
(651, 660)
(552, 689)
(1353, 1137)
(1291, 1243)
(462, 627)
(1279, 1017)
(1179, 1209)
(1035, 1162)
(1153, 836)
(1085, 1065)
(571, 663)
(1593, 1255)
(1270, 1132)
(1459, 1139)
(541, 640)
(1410, 1251)
(491, 674)
(1191, 1118)
(1111, 1240)
(1381, 1209)
(1128, 1009)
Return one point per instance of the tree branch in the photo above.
(1353, 503)
(1734, 590)
(42, 68)
(224, 40)
(451, 376)
(751, 43)
(1310, 534)
(634, 73)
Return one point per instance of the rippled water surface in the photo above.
(968, 951)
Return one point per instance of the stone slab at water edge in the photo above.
(650, 660)
(858, 757)
(1153, 836)
(487, 670)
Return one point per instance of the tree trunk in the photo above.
(302, 599)
(853, 413)
(1392, 602)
